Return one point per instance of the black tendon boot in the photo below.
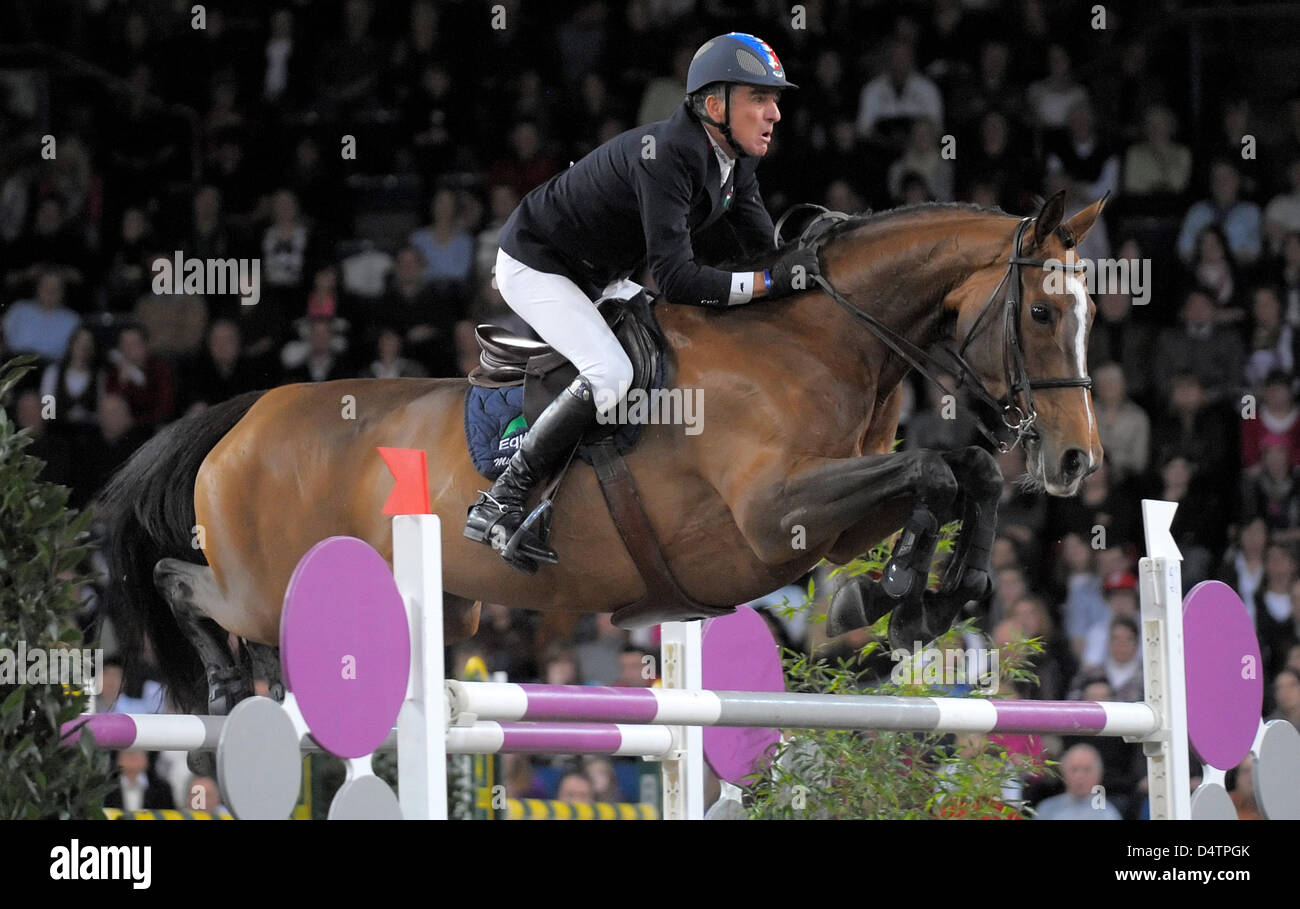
(495, 516)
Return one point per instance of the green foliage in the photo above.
(42, 545)
(832, 774)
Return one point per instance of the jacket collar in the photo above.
(685, 128)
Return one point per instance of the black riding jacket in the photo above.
(643, 196)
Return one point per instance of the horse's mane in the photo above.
(838, 229)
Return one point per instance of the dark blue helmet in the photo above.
(736, 58)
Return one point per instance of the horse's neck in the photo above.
(902, 272)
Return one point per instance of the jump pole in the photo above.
(182, 732)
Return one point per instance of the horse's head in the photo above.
(1023, 325)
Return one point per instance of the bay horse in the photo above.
(206, 522)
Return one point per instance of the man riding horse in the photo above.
(642, 197)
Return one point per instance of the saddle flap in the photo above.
(545, 372)
(506, 347)
(499, 347)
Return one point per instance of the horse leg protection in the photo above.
(909, 563)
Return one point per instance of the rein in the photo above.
(1018, 419)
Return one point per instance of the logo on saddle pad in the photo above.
(513, 435)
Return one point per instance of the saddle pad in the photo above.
(495, 427)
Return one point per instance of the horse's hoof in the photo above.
(859, 603)
(922, 620)
(907, 626)
(226, 688)
(202, 763)
(847, 611)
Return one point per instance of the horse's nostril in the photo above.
(1073, 464)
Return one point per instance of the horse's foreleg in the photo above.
(859, 501)
(815, 507)
(849, 505)
(920, 615)
(968, 575)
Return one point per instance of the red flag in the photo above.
(410, 493)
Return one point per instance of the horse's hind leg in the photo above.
(459, 618)
(191, 591)
(265, 665)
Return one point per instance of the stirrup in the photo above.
(518, 545)
(532, 544)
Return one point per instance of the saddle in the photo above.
(506, 359)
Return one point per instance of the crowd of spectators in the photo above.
(366, 155)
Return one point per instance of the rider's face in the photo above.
(754, 114)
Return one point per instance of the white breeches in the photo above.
(566, 318)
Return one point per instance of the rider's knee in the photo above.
(610, 382)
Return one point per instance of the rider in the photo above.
(641, 197)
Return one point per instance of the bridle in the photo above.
(1018, 418)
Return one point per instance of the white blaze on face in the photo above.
(1080, 294)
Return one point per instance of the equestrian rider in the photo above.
(639, 198)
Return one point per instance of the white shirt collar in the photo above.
(725, 162)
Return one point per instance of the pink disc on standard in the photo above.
(1225, 685)
(345, 645)
(740, 654)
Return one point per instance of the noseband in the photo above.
(1016, 417)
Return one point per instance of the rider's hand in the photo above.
(794, 272)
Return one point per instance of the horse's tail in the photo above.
(147, 513)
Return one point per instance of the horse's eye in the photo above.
(1041, 312)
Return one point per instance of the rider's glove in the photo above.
(793, 272)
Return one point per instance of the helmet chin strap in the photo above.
(725, 126)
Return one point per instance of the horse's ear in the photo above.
(1081, 223)
(1049, 218)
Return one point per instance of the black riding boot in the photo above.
(495, 516)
